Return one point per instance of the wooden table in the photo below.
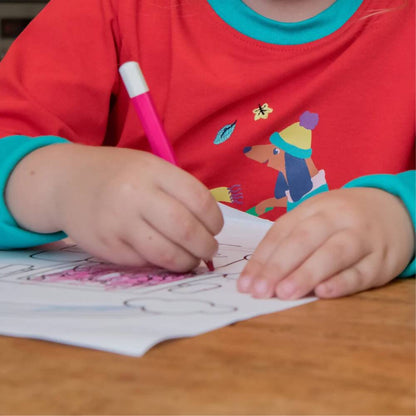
(354, 355)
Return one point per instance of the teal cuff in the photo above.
(403, 185)
(12, 150)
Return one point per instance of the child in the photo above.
(246, 89)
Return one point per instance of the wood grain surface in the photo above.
(354, 356)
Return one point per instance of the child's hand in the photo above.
(124, 206)
(134, 208)
(334, 244)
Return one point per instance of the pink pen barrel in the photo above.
(153, 127)
(139, 94)
(138, 91)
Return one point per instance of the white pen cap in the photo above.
(133, 79)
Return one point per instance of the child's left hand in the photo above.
(334, 244)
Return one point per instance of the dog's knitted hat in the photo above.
(296, 139)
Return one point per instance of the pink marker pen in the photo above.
(138, 91)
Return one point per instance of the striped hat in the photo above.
(296, 139)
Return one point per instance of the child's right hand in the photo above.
(124, 206)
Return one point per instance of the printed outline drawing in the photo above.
(130, 303)
(33, 274)
(150, 300)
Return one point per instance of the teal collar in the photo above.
(245, 20)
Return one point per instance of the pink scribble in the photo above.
(114, 277)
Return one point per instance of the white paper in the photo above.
(65, 295)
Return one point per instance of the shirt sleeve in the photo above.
(60, 76)
(58, 79)
(12, 150)
(403, 185)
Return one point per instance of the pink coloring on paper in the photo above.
(114, 277)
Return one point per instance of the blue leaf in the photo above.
(225, 133)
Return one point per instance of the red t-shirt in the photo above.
(260, 121)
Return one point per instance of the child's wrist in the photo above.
(71, 162)
(32, 189)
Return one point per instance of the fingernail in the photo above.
(244, 283)
(286, 290)
(261, 288)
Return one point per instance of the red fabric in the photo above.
(60, 78)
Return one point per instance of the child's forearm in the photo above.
(33, 189)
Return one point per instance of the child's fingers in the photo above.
(176, 223)
(123, 253)
(278, 255)
(350, 280)
(115, 250)
(278, 232)
(305, 220)
(265, 249)
(336, 254)
(159, 250)
(196, 197)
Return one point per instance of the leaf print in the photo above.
(225, 133)
(262, 112)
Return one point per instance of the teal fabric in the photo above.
(319, 190)
(403, 185)
(12, 150)
(245, 20)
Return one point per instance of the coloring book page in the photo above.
(65, 295)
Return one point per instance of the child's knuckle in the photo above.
(176, 216)
(303, 236)
(189, 229)
(354, 218)
(339, 249)
(124, 193)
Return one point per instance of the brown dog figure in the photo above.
(290, 154)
